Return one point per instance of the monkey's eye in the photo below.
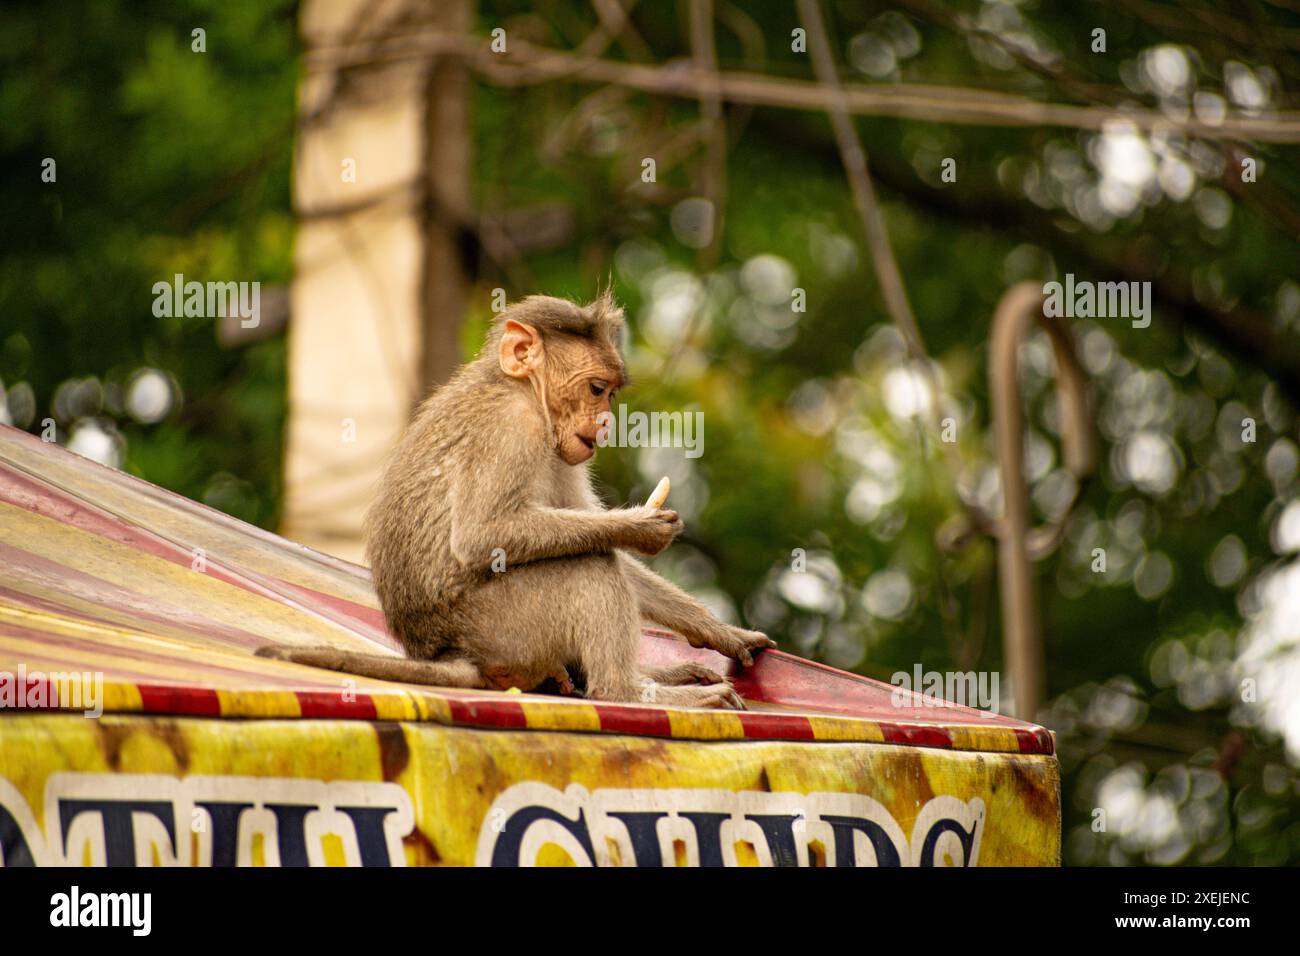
(598, 389)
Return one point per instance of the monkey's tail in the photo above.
(445, 672)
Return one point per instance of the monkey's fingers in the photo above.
(741, 653)
(724, 697)
(745, 644)
(687, 672)
(673, 520)
(714, 696)
(651, 530)
(698, 673)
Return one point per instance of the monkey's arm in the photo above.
(529, 533)
(667, 605)
(492, 509)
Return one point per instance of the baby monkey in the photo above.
(495, 562)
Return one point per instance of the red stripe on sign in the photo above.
(170, 699)
(335, 703)
(1036, 741)
(487, 713)
(649, 721)
(777, 726)
(916, 735)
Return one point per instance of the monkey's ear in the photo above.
(521, 349)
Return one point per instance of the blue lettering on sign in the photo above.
(646, 826)
(135, 819)
(107, 820)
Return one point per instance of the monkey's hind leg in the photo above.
(687, 672)
(721, 695)
(445, 672)
(579, 611)
(608, 650)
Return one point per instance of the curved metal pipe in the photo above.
(1018, 545)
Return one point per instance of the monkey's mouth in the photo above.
(589, 442)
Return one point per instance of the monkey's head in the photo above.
(571, 355)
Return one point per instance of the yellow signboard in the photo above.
(136, 790)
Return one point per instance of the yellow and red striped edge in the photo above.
(104, 576)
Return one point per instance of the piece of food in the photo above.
(660, 494)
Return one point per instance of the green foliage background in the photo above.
(171, 161)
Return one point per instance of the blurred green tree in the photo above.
(1171, 673)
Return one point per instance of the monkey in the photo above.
(495, 562)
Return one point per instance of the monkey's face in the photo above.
(575, 376)
(579, 400)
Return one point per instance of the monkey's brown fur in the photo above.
(493, 472)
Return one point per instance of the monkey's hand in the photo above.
(735, 642)
(648, 530)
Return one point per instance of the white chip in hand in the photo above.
(660, 494)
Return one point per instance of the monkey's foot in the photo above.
(721, 696)
(687, 672)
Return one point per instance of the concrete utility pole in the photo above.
(381, 191)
